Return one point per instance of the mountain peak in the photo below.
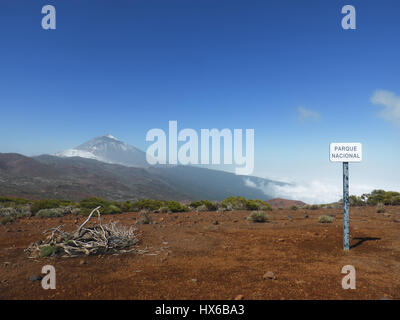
(108, 149)
(111, 137)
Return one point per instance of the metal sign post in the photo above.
(345, 152)
(346, 205)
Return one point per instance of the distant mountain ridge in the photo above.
(75, 178)
(109, 168)
(284, 203)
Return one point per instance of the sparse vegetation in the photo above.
(47, 208)
(325, 219)
(388, 198)
(240, 203)
(55, 212)
(145, 217)
(258, 216)
(175, 206)
(380, 208)
(47, 251)
(6, 220)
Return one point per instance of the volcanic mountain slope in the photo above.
(108, 149)
(76, 177)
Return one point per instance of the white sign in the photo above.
(345, 152)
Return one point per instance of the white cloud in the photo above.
(307, 114)
(391, 104)
(313, 192)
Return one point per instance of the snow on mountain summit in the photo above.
(111, 137)
(108, 149)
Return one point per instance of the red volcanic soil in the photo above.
(190, 256)
(284, 203)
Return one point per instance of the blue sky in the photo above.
(125, 67)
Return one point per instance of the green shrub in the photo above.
(91, 203)
(55, 212)
(6, 220)
(380, 208)
(257, 204)
(325, 219)
(147, 204)
(49, 204)
(47, 251)
(396, 200)
(294, 208)
(258, 216)
(111, 209)
(234, 203)
(126, 206)
(195, 204)
(201, 208)
(9, 211)
(209, 205)
(163, 210)
(145, 217)
(175, 206)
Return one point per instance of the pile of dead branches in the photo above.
(98, 239)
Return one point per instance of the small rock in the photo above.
(239, 297)
(290, 218)
(216, 222)
(82, 262)
(193, 280)
(306, 216)
(281, 240)
(235, 221)
(35, 277)
(269, 275)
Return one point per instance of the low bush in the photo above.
(175, 206)
(49, 204)
(47, 251)
(257, 204)
(6, 220)
(145, 217)
(201, 208)
(147, 204)
(311, 207)
(258, 216)
(380, 208)
(54, 212)
(325, 219)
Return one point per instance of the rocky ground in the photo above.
(214, 255)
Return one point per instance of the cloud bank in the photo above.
(312, 192)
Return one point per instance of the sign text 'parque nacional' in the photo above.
(345, 152)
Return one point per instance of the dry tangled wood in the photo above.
(97, 239)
